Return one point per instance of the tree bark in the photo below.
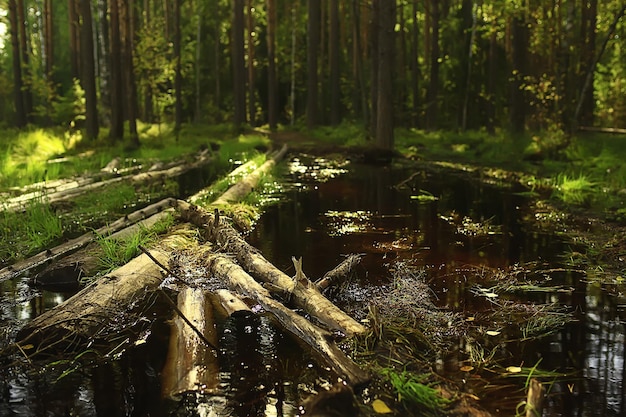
(116, 131)
(18, 97)
(88, 71)
(238, 64)
(334, 63)
(432, 93)
(518, 61)
(414, 66)
(306, 297)
(238, 280)
(272, 87)
(127, 30)
(340, 271)
(251, 69)
(74, 17)
(48, 39)
(178, 78)
(313, 44)
(385, 107)
(25, 61)
(103, 66)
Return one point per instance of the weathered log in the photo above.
(242, 188)
(69, 193)
(231, 303)
(72, 245)
(306, 297)
(239, 280)
(191, 365)
(340, 271)
(235, 175)
(91, 312)
(66, 273)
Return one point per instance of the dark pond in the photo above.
(327, 211)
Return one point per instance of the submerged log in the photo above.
(239, 280)
(534, 399)
(191, 365)
(72, 245)
(305, 296)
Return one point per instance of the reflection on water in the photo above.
(469, 226)
(329, 211)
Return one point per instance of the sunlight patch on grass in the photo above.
(574, 190)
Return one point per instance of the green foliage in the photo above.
(28, 232)
(574, 190)
(117, 252)
(413, 393)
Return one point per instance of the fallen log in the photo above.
(191, 365)
(340, 271)
(239, 280)
(231, 303)
(66, 273)
(93, 312)
(242, 188)
(69, 193)
(306, 296)
(72, 245)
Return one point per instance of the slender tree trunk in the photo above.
(199, 10)
(490, 87)
(116, 131)
(470, 26)
(48, 39)
(373, 42)
(360, 88)
(415, 68)
(239, 64)
(20, 112)
(148, 98)
(519, 53)
(88, 69)
(251, 71)
(292, 90)
(25, 61)
(74, 38)
(272, 102)
(333, 55)
(385, 108)
(132, 109)
(588, 53)
(104, 63)
(432, 95)
(178, 79)
(313, 43)
(217, 57)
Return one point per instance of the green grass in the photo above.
(414, 394)
(574, 190)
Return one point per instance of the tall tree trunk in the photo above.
(72, 8)
(490, 87)
(198, 72)
(217, 58)
(313, 43)
(470, 30)
(272, 102)
(130, 98)
(48, 39)
(432, 94)
(178, 79)
(25, 61)
(292, 89)
(588, 53)
(116, 131)
(20, 112)
(251, 72)
(519, 53)
(385, 110)
(373, 44)
(88, 70)
(589, 76)
(148, 98)
(104, 62)
(333, 56)
(239, 64)
(415, 68)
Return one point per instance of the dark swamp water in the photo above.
(325, 212)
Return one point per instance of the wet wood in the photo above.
(191, 365)
(231, 303)
(319, 340)
(306, 297)
(534, 398)
(73, 245)
(246, 185)
(66, 273)
(339, 272)
(84, 316)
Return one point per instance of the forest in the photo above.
(312, 207)
(456, 65)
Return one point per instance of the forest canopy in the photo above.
(99, 66)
